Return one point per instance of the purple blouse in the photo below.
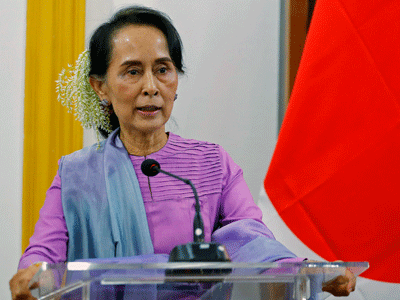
(169, 203)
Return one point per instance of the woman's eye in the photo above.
(162, 70)
(133, 72)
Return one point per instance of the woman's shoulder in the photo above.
(193, 151)
(195, 159)
(202, 150)
(186, 143)
(84, 153)
(177, 143)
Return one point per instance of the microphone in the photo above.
(198, 251)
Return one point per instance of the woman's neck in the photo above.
(143, 144)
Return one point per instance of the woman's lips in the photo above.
(149, 110)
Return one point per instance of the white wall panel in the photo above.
(12, 60)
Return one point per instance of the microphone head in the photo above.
(150, 167)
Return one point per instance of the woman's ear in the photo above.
(99, 86)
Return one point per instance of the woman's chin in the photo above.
(150, 128)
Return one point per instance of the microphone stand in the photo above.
(198, 251)
(198, 226)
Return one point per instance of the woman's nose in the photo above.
(150, 85)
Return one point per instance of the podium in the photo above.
(156, 279)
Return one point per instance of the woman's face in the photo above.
(141, 80)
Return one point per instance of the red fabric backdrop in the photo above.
(335, 175)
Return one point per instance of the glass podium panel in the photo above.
(92, 280)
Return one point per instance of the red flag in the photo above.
(335, 175)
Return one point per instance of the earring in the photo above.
(176, 97)
(107, 107)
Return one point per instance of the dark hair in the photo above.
(100, 47)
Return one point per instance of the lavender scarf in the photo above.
(102, 203)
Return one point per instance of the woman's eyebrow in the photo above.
(138, 63)
(164, 59)
(131, 63)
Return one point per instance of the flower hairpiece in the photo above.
(75, 92)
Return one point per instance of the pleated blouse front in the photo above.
(170, 204)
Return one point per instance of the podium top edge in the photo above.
(87, 266)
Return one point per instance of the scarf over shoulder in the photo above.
(102, 203)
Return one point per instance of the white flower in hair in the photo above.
(75, 92)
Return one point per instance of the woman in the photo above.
(100, 205)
